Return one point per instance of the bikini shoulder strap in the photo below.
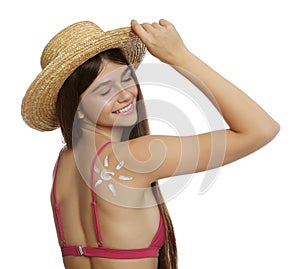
(94, 205)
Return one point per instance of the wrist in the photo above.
(181, 58)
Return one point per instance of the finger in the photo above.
(155, 25)
(164, 22)
(147, 26)
(138, 29)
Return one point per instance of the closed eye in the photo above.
(105, 92)
(128, 79)
(127, 75)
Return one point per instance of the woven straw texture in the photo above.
(67, 50)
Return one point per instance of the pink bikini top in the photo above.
(100, 251)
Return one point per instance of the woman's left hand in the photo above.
(162, 40)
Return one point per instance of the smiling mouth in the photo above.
(125, 110)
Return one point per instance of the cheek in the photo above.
(104, 111)
(134, 91)
(93, 108)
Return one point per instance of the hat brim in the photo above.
(38, 104)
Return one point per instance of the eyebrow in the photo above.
(126, 71)
(109, 81)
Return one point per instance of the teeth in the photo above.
(125, 109)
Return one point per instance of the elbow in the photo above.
(269, 131)
(276, 128)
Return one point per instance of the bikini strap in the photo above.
(94, 195)
(56, 207)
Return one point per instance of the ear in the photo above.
(80, 114)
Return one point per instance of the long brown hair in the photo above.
(66, 107)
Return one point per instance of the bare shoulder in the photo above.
(158, 156)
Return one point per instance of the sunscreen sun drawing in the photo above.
(107, 175)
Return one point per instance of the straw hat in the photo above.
(67, 50)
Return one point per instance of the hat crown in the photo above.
(67, 50)
(69, 39)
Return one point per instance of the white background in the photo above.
(250, 216)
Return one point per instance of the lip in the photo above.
(131, 108)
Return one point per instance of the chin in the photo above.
(126, 120)
(126, 124)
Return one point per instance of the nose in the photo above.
(124, 95)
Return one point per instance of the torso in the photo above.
(121, 227)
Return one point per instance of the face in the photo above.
(111, 99)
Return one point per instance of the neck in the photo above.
(113, 134)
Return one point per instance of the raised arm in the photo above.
(250, 127)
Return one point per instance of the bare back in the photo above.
(121, 227)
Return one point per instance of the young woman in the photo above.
(107, 206)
